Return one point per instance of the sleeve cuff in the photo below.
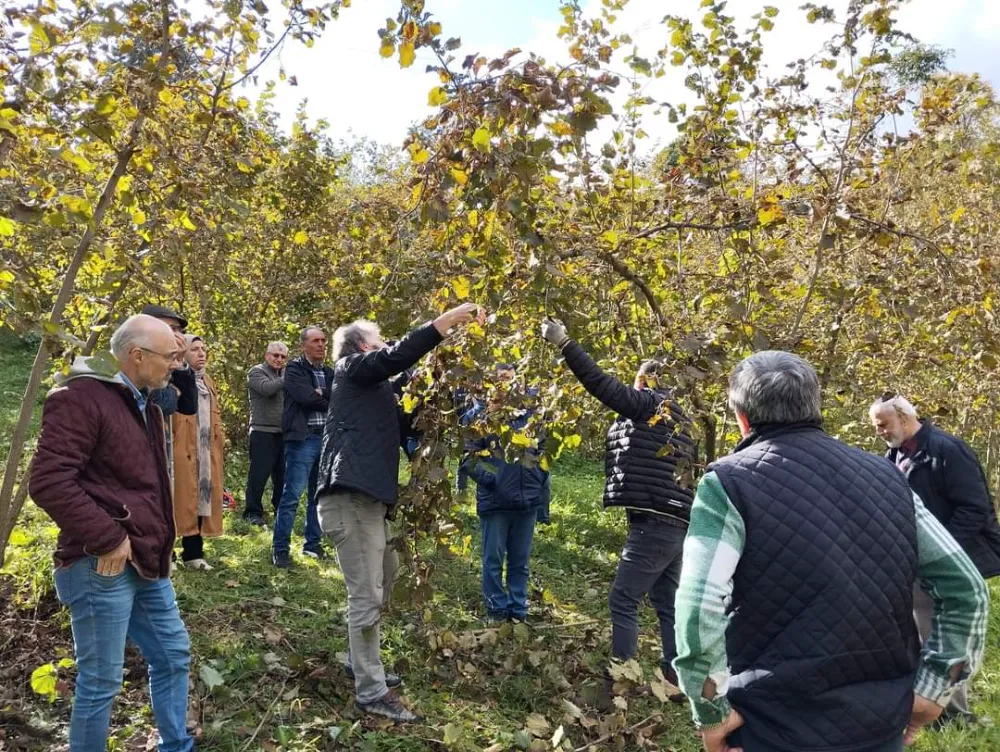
(936, 688)
(710, 713)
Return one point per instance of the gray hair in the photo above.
(775, 387)
(133, 333)
(304, 335)
(277, 347)
(348, 339)
(898, 402)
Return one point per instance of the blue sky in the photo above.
(348, 84)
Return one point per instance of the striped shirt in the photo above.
(712, 551)
(317, 418)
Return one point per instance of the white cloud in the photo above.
(351, 86)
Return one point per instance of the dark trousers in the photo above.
(650, 565)
(267, 460)
(193, 546)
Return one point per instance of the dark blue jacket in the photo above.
(301, 398)
(503, 486)
(945, 473)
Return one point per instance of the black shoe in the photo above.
(257, 522)
(389, 706)
(316, 553)
(281, 560)
(391, 680)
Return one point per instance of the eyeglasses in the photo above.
(170, 358)
(278, 355)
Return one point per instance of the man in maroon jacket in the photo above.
(100, 472)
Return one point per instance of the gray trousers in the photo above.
(923, 612)
(357, 526)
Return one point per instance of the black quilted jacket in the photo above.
(361, 441)
(821, 643)
(649, 456)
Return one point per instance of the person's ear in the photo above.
(743, 423)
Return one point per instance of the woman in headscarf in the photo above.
(198, 467)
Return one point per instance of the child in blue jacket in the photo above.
(510, 497)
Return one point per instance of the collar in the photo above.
(141, 397)
(770, 430)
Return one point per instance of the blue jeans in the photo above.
(104, 611)
(301, 470)
(507, 535)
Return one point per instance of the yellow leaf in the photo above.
(43, 680)
(186, 222)
(959, 213)
(520, 439)
(769, 214)
(460, 177)
(345, 3)
(6, 227)
(419, 155)
(387, 48)
(409, 403)
(407, 55)
(301, 237)
(139, 217)
(437, 97)
(462, 287)
(166, 96)
(481, 139)
(434, 28)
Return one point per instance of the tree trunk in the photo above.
(10, 505)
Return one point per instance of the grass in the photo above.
(269, 644)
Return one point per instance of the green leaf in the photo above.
(481, 139)
(6, 227)
(210, 677)
(452, 733)
(39, 41)
(105, 104)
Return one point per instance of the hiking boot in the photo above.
(316, 553)
(389, 706)
(391, 680)
(257, 522)
(282, 560)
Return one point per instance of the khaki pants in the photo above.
(357, 526)
(923, 612)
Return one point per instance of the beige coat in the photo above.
(185, 430)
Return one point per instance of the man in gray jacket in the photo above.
(265, 384)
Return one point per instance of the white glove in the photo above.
(554, 332)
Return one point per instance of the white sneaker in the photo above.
(198, 564)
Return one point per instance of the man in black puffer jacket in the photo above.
(649, 465)
(945, 473)
(358, 474)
